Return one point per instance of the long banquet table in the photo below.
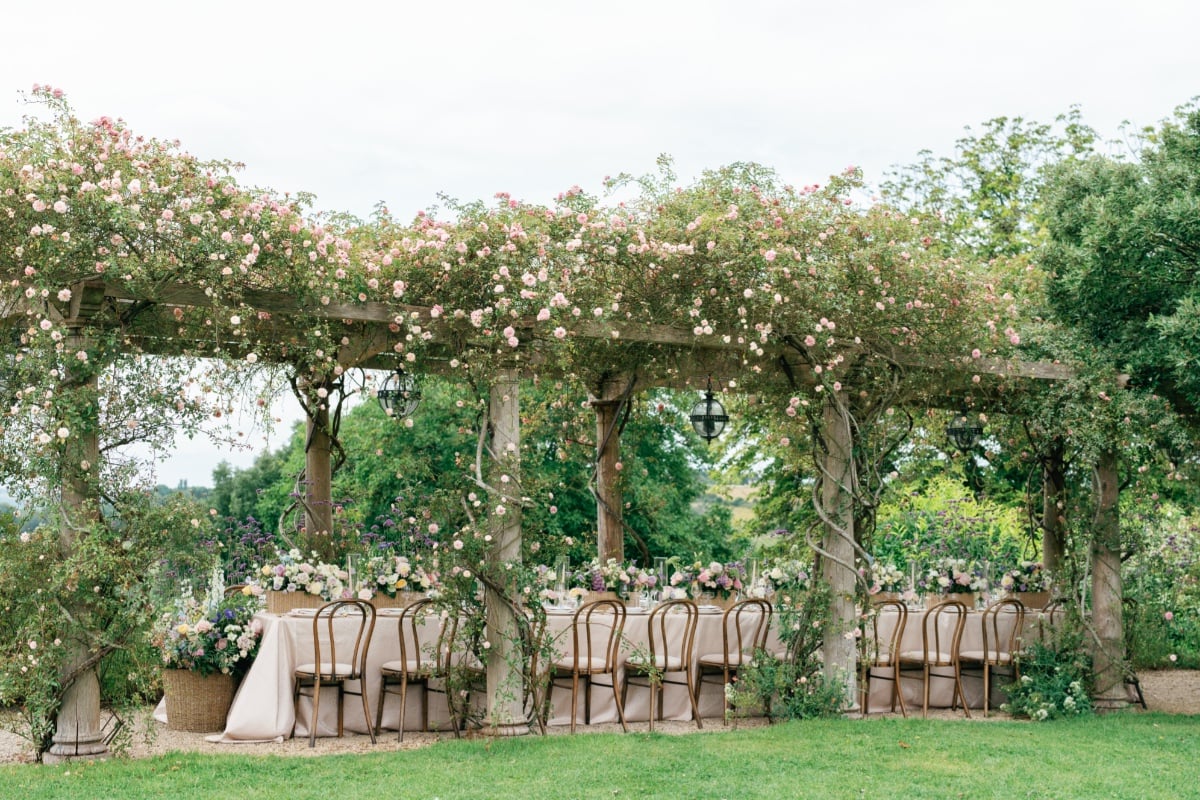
(941, 685)
(263, 709)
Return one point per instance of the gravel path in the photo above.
(1169, 691)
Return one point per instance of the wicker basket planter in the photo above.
(401, 600)
(197, 703)
(283, 602)
(725, 603)
(1032, 600)
(592, 597)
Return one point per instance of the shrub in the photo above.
(1055, 680)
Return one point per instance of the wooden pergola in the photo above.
(683, 360)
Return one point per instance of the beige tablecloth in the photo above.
(941, 685)
(263, 709)
(676, 705)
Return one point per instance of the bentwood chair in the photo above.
(336, 660)
(1003, 622)
(596, 630)
(234, 589)
(671, 634)
(881, 651)
(941, 633)
(744, 630)
(421, 661)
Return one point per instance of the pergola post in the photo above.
(1054, 491)
(318, 475)
(837, 543)
(610, 528)
(1108, 652)
(78, 733)
(505, 672)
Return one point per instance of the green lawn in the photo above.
(1118, 756)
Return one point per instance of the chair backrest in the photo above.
(596, 629)
(746, 625)
(1003, 622)
(941, 632)
(427, 656)
(234, 589)
(660, 640)
(355, 616)
(887, 620)
(1049, 618)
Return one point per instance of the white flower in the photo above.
(63, 433)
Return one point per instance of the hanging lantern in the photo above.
(400, 395)
(963, 433)
(708, 416)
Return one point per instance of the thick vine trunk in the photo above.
(1108, 654)
(318, 493)
(1053, 503)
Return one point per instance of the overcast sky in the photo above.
(361, 103)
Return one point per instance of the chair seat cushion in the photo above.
(720, 660)
(662, 662)
(411, 666)
(584, 665)
(992, 657)
(934, 657)
(328, 671)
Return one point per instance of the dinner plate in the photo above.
(302, 612)
(708, 609)
(635, 610)
(389, 612)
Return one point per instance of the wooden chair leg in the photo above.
(403, 706)
(958, 687)
(574, 698)
(316, 708)
(692, 697)
(621, 704)
(362, 685)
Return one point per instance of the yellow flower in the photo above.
(183, 629)
(401, 583)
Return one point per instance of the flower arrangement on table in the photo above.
(392, 574)
(217, 634)
(886, 577)
(722, 580)
(788, 575)
(291, 572)
(641, 579)
(610, 576)
(1030, 576)
(954, 576)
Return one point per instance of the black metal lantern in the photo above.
(400, 395)
(708, 416)
(963, 433)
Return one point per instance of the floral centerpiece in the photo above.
(1030, 576)
(610, 576)
(954, 576)
(312, 581)
(721, 580)
(392, 574)
(887, 579)
(782, 576)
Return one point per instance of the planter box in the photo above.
(401, 600)
(195, 702)
(1035, 601)
(283, 602)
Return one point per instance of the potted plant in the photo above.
(205, 646)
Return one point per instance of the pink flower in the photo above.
(1169, 615)
(769, 255)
